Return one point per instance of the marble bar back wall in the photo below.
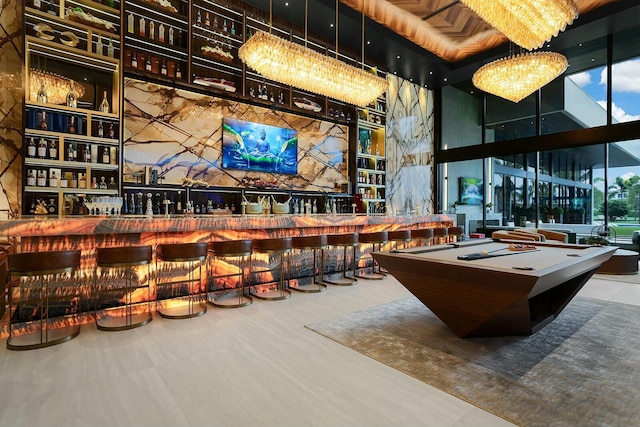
(179, 133)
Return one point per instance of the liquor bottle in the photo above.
(70, 156)
(132, 207)
(41, 181)
(43, 121)
(42, 148)
(215, 23)
(198, 19)
(53, 149)
(131, 23)
(233, 28)
(104, 105)
(53, 180)
(103, 184)
(163, 68)
(112, 184)
(112, 131)
(42, 95)
(125, 204)
(110, 49)
(99, 46)
(224, 26)
(171, 36)
(73, 183)
(105, 156)
(52, 207)
(94, 183)
(152, 30)
(63, 181)
(31, 179)
(72, 98)
(87, 153)
(207, 20)
(72, 125)
(143, 29)
(100, 129)
(37, 4)
(31, 148)
(179, 203)
(147, 65)
(161, 33)
(178, 72)
(134, 60)
(75, 153)
(82, 181)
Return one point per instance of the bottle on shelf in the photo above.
(63, 181)
(161, 33)
(99, 46)
(73, 182)
(207, 20)
(41, 181)
(178, 72)
(233, 28)
(104, 104)
(147, 65)
(112, 184)
(42, 95)
(94, 183)
(103, 184)
(131, 23)
(152, 30)
(142, 27)
(37, 4)
(43, 125)
(100, 129)
(72, 98)
(134, 60)
(53, 149)
(72, 125)
(179, 203)
(53, 180)
(31, 179)
(31, 148)
(42, 148)
(110, 49)
(82, 181)
(171, 36)
(224, 26)
(105, 156)
(198, 19)
(112, 131)
(163, 68)
(215, 23)
(70, 153)
(87, 153)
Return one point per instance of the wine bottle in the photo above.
(104, 105)
(31, 148)
(207, 20)
(134, 60)
(112, 131)
(178, 72)
(100, 129)
(70, 156)
(99, 46)
(42, 95)
(72, 98)
(161, 33)
(41, 181)
(87, 153)
(224, 26)
(163, 69)
(42, 148)
(72, 125)
(143, 29)
(198, 19)
(53, 180)
(82, 181)
(110, 49)
(147, 65)
(63, 181)
(131, 23)
(105, 156)
(171, 36)
(53, 149)
(31, 179)
(152, 30)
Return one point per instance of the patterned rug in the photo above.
(583, 369)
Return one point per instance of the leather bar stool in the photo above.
(314, 244)
(422, 235)
(221, 256)
(179, 273)
(281, 248)
(120, 272)
(456, 234)
(376, 240)
(398, 237)
(345, 241)
(45, 287)
(440, 235)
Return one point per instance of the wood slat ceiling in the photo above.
(447, 28)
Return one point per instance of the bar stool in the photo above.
(234, 249)
(376, 240)
(398, 237)
(345, 241)
(440, 235)
(181, 259)
(422, 235)
(45, 281)
(315, 244)
(456, 234)
(280, 247)
(117, 272)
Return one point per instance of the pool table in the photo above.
(490, 288)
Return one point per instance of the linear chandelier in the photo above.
(527, 23)
(306, 69)
(56, 86)
(518, 76)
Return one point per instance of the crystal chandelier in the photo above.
(518, 76)
(57, 87)
(298, 66)
(527, 23)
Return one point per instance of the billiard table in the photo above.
(495, 288)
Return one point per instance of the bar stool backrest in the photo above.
(399, 235)
(376, 237)
(440, 232)
(124, 256)
(41, 263)
(179, 252)
(231, 248)
(347, 239)
(279, 244)
(309, 242)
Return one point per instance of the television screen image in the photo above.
(258, 147)
(471, 190)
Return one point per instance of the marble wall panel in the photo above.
(409, 147)
(179, 133)
(11, 96)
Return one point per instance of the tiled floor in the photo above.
(254, 366)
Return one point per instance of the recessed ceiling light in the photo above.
(410, 80)
(286, 3)
(331, 25)
(471, 92)
(430, 72)
(395, 72)
(593, 59)
(580, 44)
(368, 41)
(397, 56)
(445, 79)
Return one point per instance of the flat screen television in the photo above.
(258, 147)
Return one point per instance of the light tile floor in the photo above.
(253, 366)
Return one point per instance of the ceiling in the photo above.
(433, 42)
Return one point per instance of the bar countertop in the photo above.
(88, 225)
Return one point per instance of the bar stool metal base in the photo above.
(32, 341)
(275, 295)
(314, 244)
(282, 248)
(123, 323)
(310, 288)
(346, 241)
(234, 302)
(240, 250)
(376, 240)
(185, 311)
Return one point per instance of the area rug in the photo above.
(583, 369)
